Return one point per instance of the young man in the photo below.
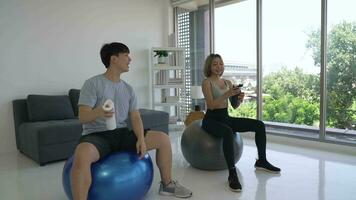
(97, 141)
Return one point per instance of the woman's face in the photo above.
(217, 67)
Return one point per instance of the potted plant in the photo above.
(162, 56)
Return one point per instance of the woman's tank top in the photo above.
(217, 91)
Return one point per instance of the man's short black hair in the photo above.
(111, 49)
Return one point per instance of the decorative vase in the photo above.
(162, 60)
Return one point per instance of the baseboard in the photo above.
(323, 146)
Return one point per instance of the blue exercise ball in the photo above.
(118, 176)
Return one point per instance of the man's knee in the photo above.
(159, 139)
(163, 139)
(85, 154)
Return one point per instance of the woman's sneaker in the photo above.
(266, 166)
(174, 189)
(234, 183)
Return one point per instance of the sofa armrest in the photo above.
(153, 119)
(20, 116)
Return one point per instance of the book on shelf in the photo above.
(161, 78)
(175, 81)
(158, 65)
(171, 99)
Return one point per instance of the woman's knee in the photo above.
(226, 131)
(260, 124)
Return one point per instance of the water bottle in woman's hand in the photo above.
(234, 99)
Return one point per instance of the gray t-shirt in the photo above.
(97, 90)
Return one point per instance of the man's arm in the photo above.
(87, 114)
(137, 127)
(136, 123)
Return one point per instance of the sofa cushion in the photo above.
(49, 107)
(152, 118)
(50, 132)
(74, 98)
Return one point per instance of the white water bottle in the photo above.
(110, 121)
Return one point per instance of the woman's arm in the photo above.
(215, 103)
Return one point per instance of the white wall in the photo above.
(50, 46)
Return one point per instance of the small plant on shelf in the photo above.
(162, 56)
(161, 53)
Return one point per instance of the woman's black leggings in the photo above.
(219, 124)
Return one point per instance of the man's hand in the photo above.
(141, 147)
(102, 113)
(87, 114)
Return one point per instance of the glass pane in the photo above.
(193, 34)
(291, 68)
(235, 41)
(341, 71)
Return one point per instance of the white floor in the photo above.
(307, 174)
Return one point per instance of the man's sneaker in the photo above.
(234, 183)
(174, 189)
(266, 166)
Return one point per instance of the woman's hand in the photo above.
(233, 91)
(241, 96)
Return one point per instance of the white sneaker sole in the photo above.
(171, 194)
(266, 170)
(231, 189)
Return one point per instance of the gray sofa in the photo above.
(47, 128)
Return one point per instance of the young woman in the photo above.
(218, 123)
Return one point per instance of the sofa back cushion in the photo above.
(49, 107)
(74, 98)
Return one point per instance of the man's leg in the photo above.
(160, 141)
(85, 154)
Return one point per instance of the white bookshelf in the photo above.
(168, 82)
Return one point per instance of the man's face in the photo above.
(121, 61)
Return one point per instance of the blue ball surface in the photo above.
(118, 176)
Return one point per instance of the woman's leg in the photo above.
(257, 126)
(223, 131)
(245, 124)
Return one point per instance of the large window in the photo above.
(341, 70)
(193, 26)
(290, 55)
(235, 41)
(290, 75)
